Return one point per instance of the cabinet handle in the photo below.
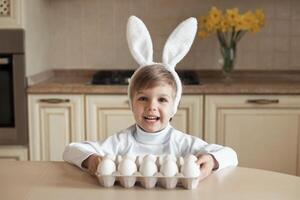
(262, 101)
(54, 101)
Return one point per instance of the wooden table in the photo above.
(59, 180)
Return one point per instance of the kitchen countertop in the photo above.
(212, 82)
(60, 180)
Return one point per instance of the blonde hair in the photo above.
(151, 76)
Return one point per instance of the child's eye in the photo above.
(142, 98)
(163, 100)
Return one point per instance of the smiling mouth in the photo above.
(151, 118)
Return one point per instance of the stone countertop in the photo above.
(212, 82)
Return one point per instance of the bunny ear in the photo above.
(179, 42)
(139, 41)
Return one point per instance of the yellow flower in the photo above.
(232, 15)
(224, 26)
(260, 16)
(215, 16)
(241, 24)
(230, 27)
(231, 22)
(252, 23)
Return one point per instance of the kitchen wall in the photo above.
(36, 16)
(73, 34)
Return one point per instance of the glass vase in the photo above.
(229, 55)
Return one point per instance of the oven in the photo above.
(7, 110)
(13, 115)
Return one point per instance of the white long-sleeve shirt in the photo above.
(135, 141)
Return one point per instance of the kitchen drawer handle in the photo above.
(54, 101)
(262, 101)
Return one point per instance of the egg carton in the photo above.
(149, 182)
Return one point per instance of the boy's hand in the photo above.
(91, 163)
(207, 163)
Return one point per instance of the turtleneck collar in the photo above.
(152, 138)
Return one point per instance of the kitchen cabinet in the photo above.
(11, 13)
(54, 122)
(12, 152)
(57, 120)
(263, 129)
(108, 114)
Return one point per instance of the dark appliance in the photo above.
(13, 115)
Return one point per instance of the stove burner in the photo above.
(122, 77)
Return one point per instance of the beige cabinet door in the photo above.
(108, 114)
(54, 122)
(264, 130)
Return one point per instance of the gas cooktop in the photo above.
(122, 77)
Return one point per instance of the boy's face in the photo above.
(152, 107)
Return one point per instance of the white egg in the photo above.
(149, 157)
(110, 156)
(106, 167)
(163, 158)
(130, 157)
(169, 168)
(190, 158)
(127, 167)
(190, 168)
(148, 167)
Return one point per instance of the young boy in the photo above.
(154, 92)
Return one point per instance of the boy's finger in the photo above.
(93, 169)
(205, 172)
(201, 159)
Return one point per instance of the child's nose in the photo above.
(152, 105)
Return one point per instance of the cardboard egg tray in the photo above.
(149, 182)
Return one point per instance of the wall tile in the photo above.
(58, 38)
(266, 44)
(74, 33)
(265, 60)
(269, 28)
(268, 6)
(92, 34)
(282, 28)
(281, 59)
(295, 52)
(138, 8)
(295, 44)
(283, 9)
(295, 10)
(295, 28)
(249, 42)
(295, 60)
(282, 44)
(204, 59)
(90, 29)
(37, 36)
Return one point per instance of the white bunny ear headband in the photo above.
(176, 47)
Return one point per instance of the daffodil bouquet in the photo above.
(230, 27)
